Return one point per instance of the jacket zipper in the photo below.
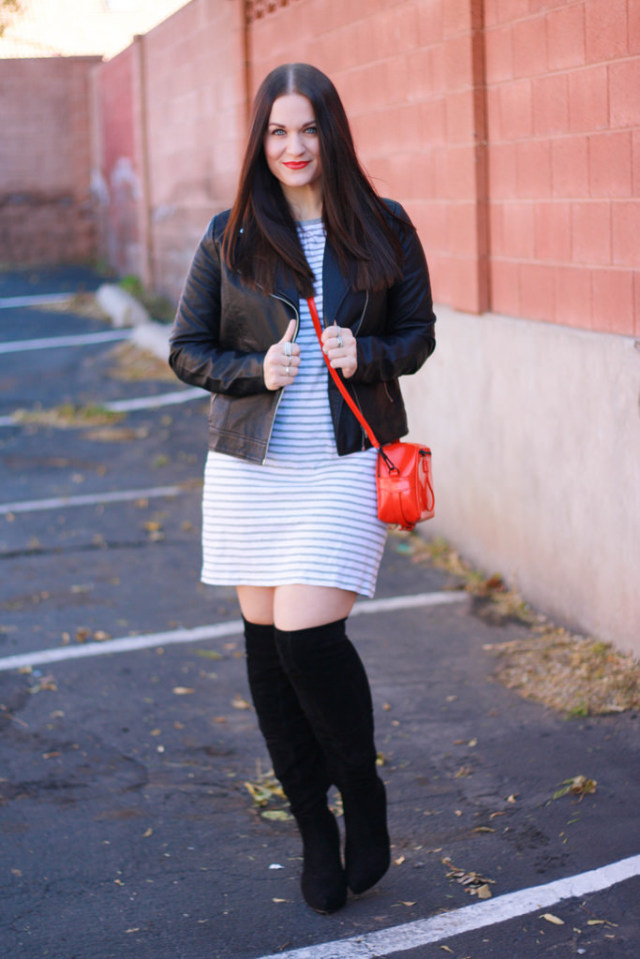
(281, 391)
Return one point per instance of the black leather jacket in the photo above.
(222, 331)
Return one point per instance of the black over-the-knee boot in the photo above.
(333, 690)
(299, 764)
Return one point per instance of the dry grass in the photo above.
(577, 675)
(132, 364)
(68, 416)
(81, 304)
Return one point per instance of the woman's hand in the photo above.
(339, 345)
(282, 360)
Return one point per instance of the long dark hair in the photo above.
(261, 233)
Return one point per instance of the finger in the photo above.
(290, 332)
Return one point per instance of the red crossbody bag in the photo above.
(403, 470)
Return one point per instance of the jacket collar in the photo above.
(335, 286)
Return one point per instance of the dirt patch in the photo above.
(577, 675)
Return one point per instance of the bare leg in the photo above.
(296, 606)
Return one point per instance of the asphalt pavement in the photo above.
(127, 739)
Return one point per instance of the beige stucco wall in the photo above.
(535, 432)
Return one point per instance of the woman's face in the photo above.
(291, 144)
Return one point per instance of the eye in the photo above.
(311, 130)
(278, 131)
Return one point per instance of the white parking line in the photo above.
(152, 402)
(128, 644)
(412, 935)
(55, 342)
(10, 302)
(92, 499)
(173, 398)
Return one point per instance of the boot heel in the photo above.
(323, 882)
(367, 850)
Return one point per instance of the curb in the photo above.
(124, 310)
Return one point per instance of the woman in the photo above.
(289, 505)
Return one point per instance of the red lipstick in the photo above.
(297, 164)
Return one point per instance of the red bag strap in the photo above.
(343, 390)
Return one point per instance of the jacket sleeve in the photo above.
(196, 354)
(410, 336)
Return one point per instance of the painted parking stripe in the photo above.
(10, 302)
(93, 499)
(412, 935)
(175, 397)
(198, 634)
(153, 402)
(55, 342)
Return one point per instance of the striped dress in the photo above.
(306, 515)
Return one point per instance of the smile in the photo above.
(297, 164)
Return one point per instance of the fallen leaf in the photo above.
(403, 903)
(135, 929)
(183, 690)
(148, 832)
(549, 916)
(473, 882)
(578, 786)
(280, 900)
(100, 636)
(208, 653)
(399, 860)
(512, 798)
(276, 815)
(238, 702)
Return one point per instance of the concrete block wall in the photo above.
(46, 213)
(563, 116)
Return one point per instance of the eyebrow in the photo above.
(308, 123)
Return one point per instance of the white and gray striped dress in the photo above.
(306, 515)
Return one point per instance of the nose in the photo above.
(295, 144)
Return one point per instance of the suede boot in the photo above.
(333, 690)
(299, 764)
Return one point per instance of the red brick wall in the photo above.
(524, 188)
(46, 213)
(117, 173)
(194, 92)
(563, 93)
(509, 128)
(407, 73)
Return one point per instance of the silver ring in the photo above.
(339, 342)
(287, 348)
(287, 370)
